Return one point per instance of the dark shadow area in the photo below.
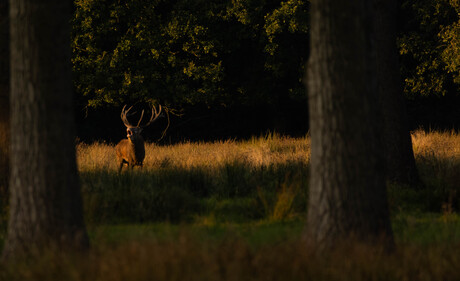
(200, 123)
(232, 192)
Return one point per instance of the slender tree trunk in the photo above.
(399, 156)
(347, 197)
(45, 200)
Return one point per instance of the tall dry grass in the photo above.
(441, 144)
(441, 150)
(255, 153)
(230, 179)
(261, 177)
(438, 157)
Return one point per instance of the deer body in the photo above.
(131, 151)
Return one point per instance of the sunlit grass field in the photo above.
(227, 181)
(235, 210)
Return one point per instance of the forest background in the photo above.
(232, 69)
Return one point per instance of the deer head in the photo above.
(133, 132)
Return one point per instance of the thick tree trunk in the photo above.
(347, 195)
(45, 200)
(399, 156)
(4, 99)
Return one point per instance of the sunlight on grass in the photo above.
(235, 210)
(440, 144)
(260, 178)
(257, 152)
(437, 155)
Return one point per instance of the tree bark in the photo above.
(347, 197)
(45, 199)
(4, 100)
(399, 155)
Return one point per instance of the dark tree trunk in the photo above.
(347, 187)
(4, 99)
(399, 156)
(45, 200)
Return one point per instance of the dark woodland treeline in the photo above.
(232, 68)
(236, 68)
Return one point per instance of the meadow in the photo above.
(235, 210)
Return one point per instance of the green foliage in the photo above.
(427, 44)
(219, 53)
(143, 50)
(286, 28)
(186, 52)
(450, 36)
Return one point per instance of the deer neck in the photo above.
(137, 142)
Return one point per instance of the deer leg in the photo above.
(120, 164)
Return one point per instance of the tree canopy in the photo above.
(428, 43)
(222, 54)
(186, 52)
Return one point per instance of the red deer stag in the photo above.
(131, 150)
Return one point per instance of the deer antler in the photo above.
(123, 117)
(155, 115)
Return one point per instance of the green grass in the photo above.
(255, 235)
(410, 230)
(235, 210)
(247, 251)
(427, 229)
